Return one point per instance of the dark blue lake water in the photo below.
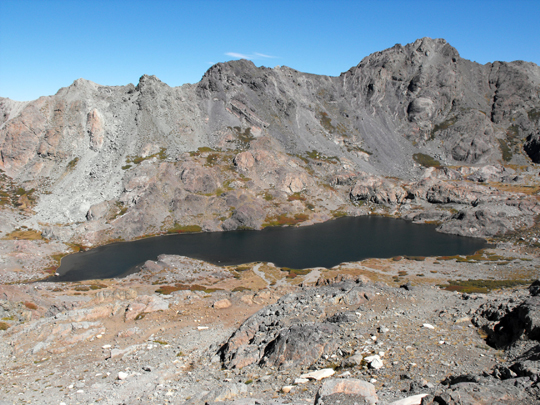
(321, 245)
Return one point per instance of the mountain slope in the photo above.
(94, 152)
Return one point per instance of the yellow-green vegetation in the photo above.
(316, 155)
(268, 197)
(161, 342)
(240, 289)
(482, 286)
(244, 136)
(121, 209)
(71, 165)
(292, 273)
(415, 258)
(339, 214)
(506, 152)
(425, 160)
(480, 256)
(24, 234)
(516, 188)
(4, 326)
(126, 167)
(283, 219)
(12, 194)
(326, 123)
(356, 148)
(177, 228)
(534, 114)
(443, 125)
(168, 289)
(212, 159)
(296, 197)
(161, 155)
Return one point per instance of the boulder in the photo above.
(334, 390)
(222, 304)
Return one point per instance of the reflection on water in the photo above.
(320, 245)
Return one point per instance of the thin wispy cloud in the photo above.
(238, 55)
(255, 55)
(262, 55)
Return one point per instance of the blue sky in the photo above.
(47, 44)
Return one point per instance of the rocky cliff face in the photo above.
(247, 145)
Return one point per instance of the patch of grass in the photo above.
(212, 159)
(425, 160)
(177, 228)
(126, 167)
(416, 258)
(268, 197)
(338, 214)
(121, 210)
(296, 197)
(161, 155)
(244, 136)
(161, 342)
(283, 219)
(293, 273)
(71, 165)
(482, 286)
(240, 289)
(506, 152)
(4, 326)
(534, 114)
(204, 149)
(19, 234)
(316, 155)
(443, 125)
(168, 289)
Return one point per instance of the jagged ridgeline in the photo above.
(229, 151)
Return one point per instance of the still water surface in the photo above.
(321, 245)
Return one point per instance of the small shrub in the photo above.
(4, 326)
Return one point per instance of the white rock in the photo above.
(374, 361)
(428, 326)
(286, 389)
(300, 380)
(122, 375)
(319, 374)
(414, 400)
(106, 346)
(202, 327)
